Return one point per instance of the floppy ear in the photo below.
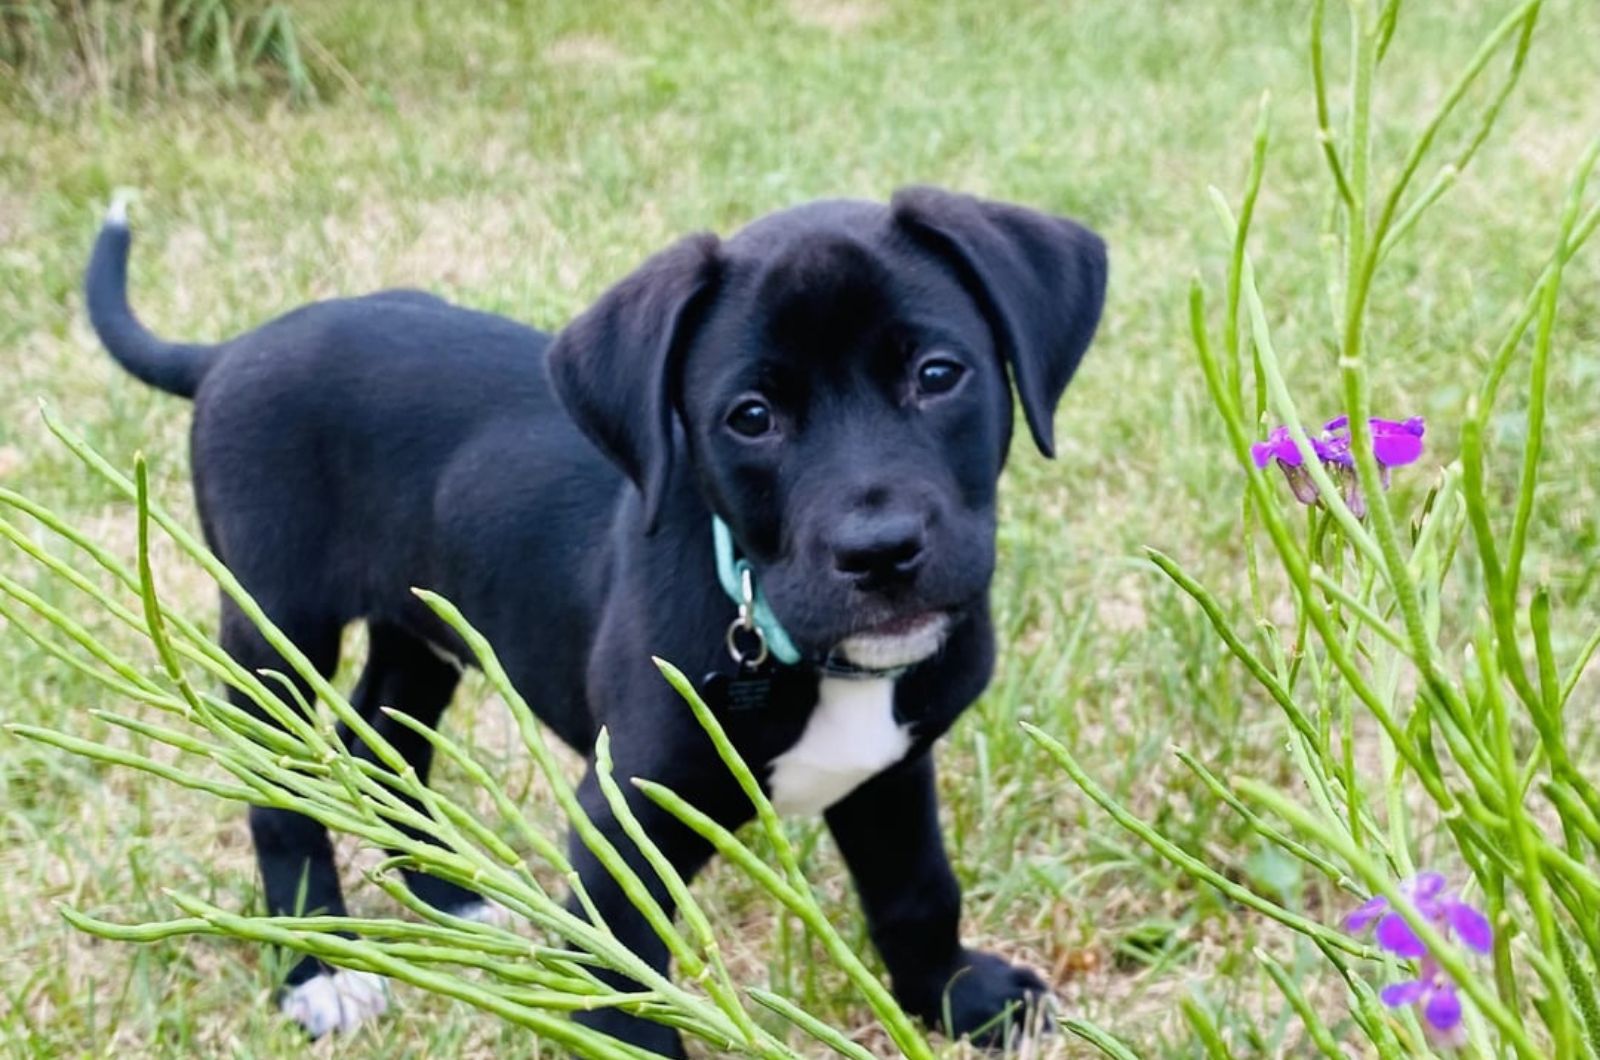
(615, 367)
(1039, 280)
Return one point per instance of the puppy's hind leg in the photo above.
(405, 673)
(298, 873)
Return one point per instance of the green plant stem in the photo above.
(348, 953)
(1241, 233)
(122, 689)
(1500, 361)
(1337, 876)
(1205, 1028)
(1575, 674)
(1524, 17)
(1351, 603)
(819, 1030)
(1324, 128)
(77, 633)
(1316, 1030)
(1447, 955)
(1191, 865)
(588, 833)
(766, 815)
(711, 970)
(1219, 622)
(1447, 175)
(129, 759)
(1534, 886)
(1107, 1043)
(1296, 567)
(1538, 382)
(1369, 1011)
(797, 901)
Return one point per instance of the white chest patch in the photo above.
(850, 737)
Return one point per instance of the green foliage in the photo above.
(118, 49)
(1475, 773)
(520, 157)
(276, 756)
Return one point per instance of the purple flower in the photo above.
(1280, 447)
(1394, 443)
(1436, 996)
(1397, 444)
(1431, 991)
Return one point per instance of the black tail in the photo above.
(174, 367)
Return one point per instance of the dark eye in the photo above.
(751, 418)
(939, 375)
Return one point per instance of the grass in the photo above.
(519, 158)
(154, 47)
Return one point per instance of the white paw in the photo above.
(336, 1001)
(490, 912)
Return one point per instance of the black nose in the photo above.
(879, 548)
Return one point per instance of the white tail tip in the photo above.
(117, 212)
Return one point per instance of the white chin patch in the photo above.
(336, 1001)
(896, 647)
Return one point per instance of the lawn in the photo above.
(519, 157)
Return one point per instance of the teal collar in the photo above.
(732, 573)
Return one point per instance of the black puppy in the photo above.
(830, 383)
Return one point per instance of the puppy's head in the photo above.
(837, 380)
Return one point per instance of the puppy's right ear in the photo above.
(616, 367)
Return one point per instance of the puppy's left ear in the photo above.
(616, 366)
(1039, 280)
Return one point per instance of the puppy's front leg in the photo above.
(687, 852)
(888, 830)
